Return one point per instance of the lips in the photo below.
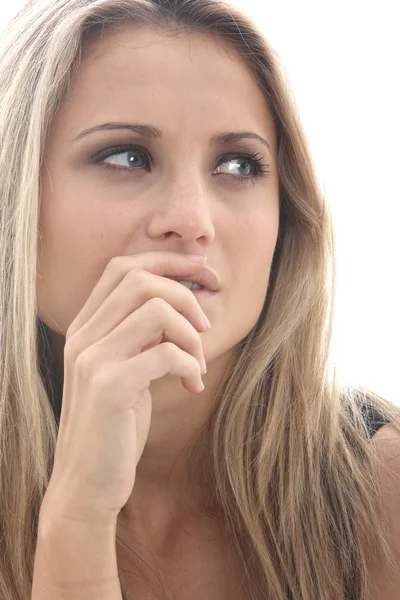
(206, 278)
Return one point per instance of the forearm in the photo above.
(75, 560)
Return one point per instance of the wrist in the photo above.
(77, 552)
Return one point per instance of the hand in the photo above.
(113, 352)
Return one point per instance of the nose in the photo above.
(183, 212)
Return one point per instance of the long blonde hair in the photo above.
(286, 448)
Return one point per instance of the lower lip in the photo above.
(203, 294)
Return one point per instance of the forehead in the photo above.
(191, 80)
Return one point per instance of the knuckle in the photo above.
(114, 264)
(140, 281)
(158, 305)
(136, 282)
(87, 365)
(71, 349)
(86, 360)
(170, 351)
(120, 267)
(73, 328)
(105, 378)
(138, 273)
(174, 355)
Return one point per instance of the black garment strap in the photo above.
(373, 418)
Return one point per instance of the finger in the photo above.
(135, 290)
(167, 264)
(165, 359)
(145, 326)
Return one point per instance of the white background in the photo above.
(342, 61)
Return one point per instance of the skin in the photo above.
(90, 214)
(384, 584)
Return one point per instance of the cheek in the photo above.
(81, 225)
(252, 246)
(78, 236)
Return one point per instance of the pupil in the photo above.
(248, 166)
(132, 154)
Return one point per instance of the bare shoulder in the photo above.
(386, 586)
(387, 440)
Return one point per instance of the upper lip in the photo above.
(206, 277)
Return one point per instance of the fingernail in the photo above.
(206, 321)
(197, 257)
(203, 366)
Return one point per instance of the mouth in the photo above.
(200, 292)
(194, 287)
(203, 281)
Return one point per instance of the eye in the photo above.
(117, 155)
(255, 169)
(130, 158)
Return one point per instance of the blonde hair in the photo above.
(286, 449)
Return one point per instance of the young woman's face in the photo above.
(199, 192)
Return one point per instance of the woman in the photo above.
(129, 469)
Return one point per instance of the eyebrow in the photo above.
(155, 133)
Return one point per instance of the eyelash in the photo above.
(261, 170)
